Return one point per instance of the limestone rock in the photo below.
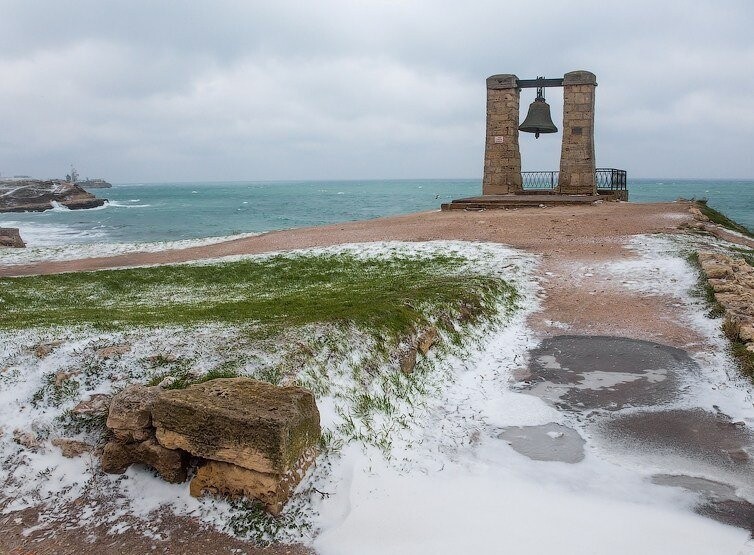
(746, 333)
(130, 416)
(113, 351)
(11, 238)
(272, 490)
(62, 377)
(71, 448)
(241, 421)
(26, 439)
(44, 349)
(697, 214)
(97, 404)
(34, 195)
(407, 359)
(170, 464)
(426, 340)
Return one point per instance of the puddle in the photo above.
(711, 438)
(612, 373)
(549, 442)
(718, 500)
(617, 387)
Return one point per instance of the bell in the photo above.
(538, 119)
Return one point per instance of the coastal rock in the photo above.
(697, 214)
(746, 333)
(10, 237)
(170, 464)
(732, 280)
(273, 490)
(130, 416)
(245, 422)
(71, 448)
(33, 195)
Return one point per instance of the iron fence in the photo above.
(612, 179)
(606, 178)
(540, 180)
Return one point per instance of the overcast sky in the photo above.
(222, 90)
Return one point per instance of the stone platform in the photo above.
(491, 202)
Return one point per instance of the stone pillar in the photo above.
(502, 158)
(577, 161)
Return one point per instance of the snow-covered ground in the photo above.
(456, 488)
(445, 482)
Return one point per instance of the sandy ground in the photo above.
(569, 239)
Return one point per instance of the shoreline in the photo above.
(536, 230)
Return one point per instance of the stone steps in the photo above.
(491, 202)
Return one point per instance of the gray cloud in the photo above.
(136, 91)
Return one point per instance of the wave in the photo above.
(116, 204)
(57, 207)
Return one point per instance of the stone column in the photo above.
(577, 161)
(502, 158)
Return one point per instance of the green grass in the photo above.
(385, 294)
(721, 219)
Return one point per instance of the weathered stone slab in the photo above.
(170, 464)
(273, 490)
(130, 416)
(242, 421)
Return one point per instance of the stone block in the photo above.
(170, 464)
(273, 490)
(241, 421)
(130, 415)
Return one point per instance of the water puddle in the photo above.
(549, 442)
(619, 392)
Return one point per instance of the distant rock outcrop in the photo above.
(10, 237)
(33, 195)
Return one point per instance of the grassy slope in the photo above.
(721, 219)
(276, 292)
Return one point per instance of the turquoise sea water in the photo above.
(174, 211)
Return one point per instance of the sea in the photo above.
(156, 212)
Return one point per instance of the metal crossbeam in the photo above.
(533, 83)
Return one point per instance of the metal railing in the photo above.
(540, 180)
(607, 179)
(612, 179)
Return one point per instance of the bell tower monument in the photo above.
(502, 156)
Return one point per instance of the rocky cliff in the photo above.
(32, 195)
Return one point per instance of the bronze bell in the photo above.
(538, 120)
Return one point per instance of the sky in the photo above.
(143, 91)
